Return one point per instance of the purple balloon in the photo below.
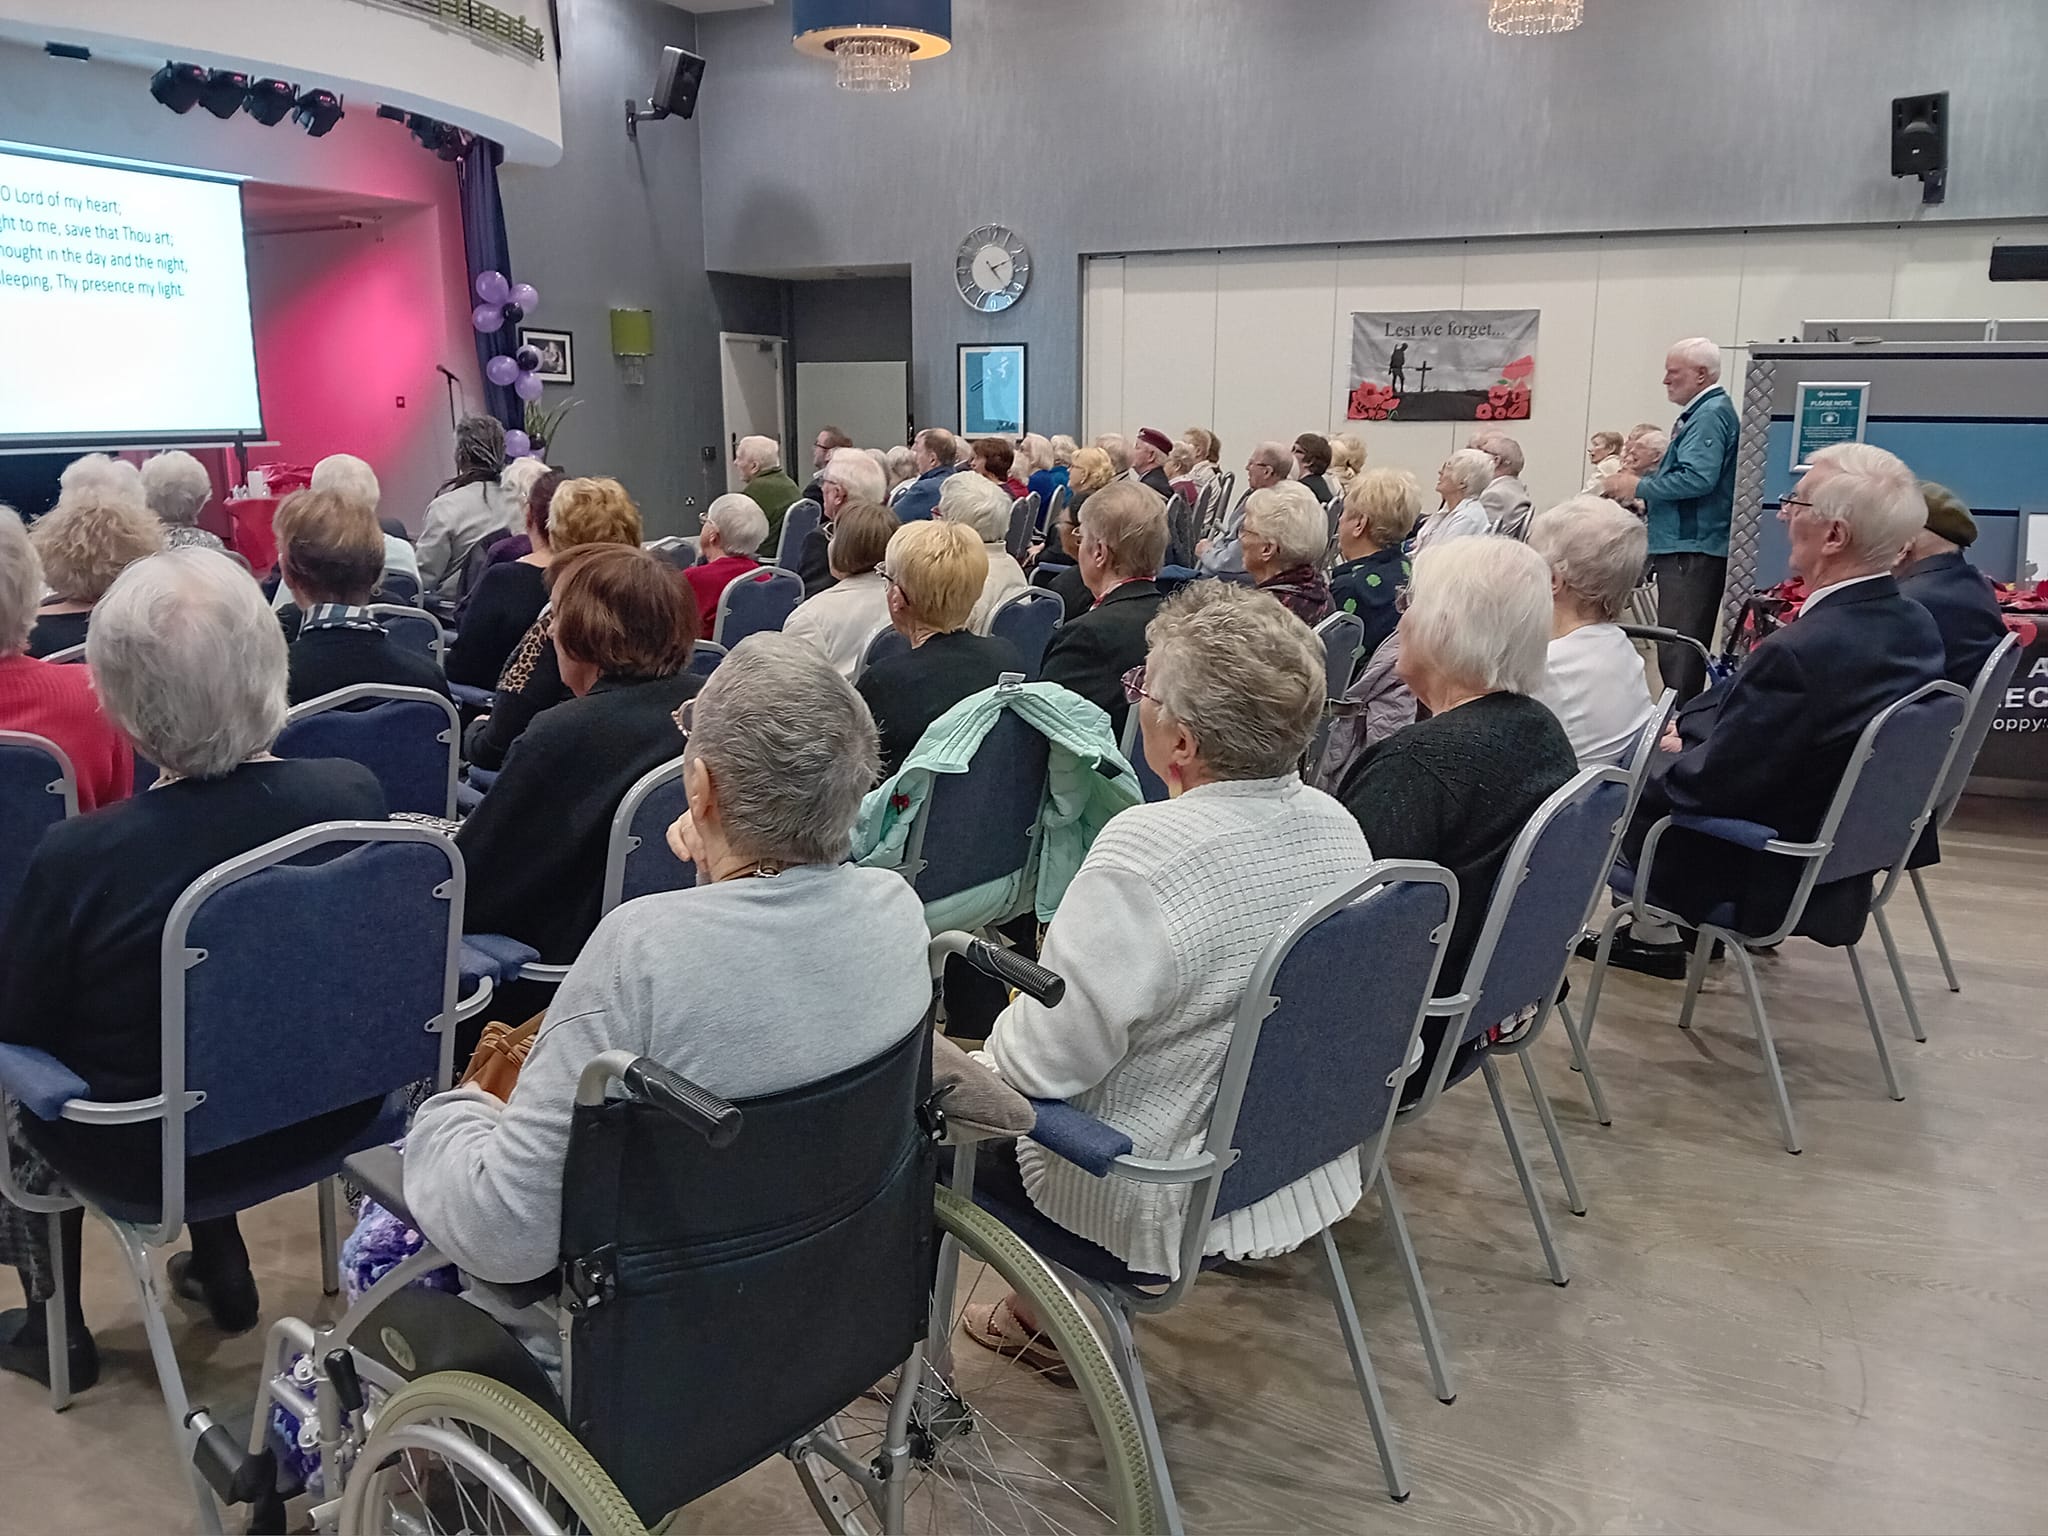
(517, 444)
(492, 287)
(528, 358)
(513, 313)
(501, 370)
(527, 387)
(487, 317)
(526, 296)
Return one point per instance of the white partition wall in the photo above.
(1257, 343)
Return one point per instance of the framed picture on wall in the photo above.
(557, 354)
(992, 397)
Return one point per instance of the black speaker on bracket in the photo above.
(675, 91)
(1920, 142)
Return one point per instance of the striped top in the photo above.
(1157, 937)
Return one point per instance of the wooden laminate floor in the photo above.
(1851, 1340)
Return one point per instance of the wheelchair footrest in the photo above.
(235, 1476)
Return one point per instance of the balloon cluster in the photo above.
(507, 303)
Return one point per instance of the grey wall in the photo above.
(1182, 124)
(618, 224)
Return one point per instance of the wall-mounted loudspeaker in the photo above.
(675, 91)
(1920, 142)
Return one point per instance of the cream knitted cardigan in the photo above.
(1157, 937)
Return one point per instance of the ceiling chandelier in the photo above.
(1534, 18)
(873, 43)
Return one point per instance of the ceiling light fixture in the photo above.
(873, 43)
(269, 101)
(1534, 18)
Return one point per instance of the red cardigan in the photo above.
(709, 581)
(57, 703)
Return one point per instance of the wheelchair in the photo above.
(703, 1244)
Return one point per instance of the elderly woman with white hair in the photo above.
(100, 526)
(984, 506)
(1158, 934)
(1593, 678)
(177, 488)
(81, 971)
(1458, 787)
(1461, 481)
(777, 751)
(347, 475)
(734, 530)
(1284, 534)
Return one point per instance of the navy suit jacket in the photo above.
(1091, 654)
(1770, 744)
(917, 500)
(1964, 610)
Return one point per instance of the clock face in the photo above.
(992, 270)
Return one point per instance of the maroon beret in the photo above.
(1156, 438)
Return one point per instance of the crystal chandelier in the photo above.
(873, 63)
(1534, 18)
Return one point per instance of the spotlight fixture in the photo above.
(178, 86)
(444, 139)
(392, 114)
(269, 101)
(224, 92)
(317, 111)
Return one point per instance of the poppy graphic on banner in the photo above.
(1442, 365)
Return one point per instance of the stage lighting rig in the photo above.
(178, 86)
(270, 101)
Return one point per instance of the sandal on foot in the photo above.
(996, 1326)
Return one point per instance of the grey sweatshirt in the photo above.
(747, 987)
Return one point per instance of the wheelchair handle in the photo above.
(1005, 965)
(703, 1111)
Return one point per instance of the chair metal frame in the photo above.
(1023, 522)
(761, 576)
(65, 784)
(1132, 745)
(1340, 660)
(1811, 855)
(405, 615)
(789, 541)
(711, 652)
(867, 652)
(1202, 1173)
(1028, 597)
(1986, 690)
(1055, 504)
(381, 693)
(385, 597)
(176, 1099)
(69, 655)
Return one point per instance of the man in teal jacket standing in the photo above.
(1690, 497)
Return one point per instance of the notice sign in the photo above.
(1826, 414)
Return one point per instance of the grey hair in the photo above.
(1290, 516)
(1119, 451)
(1502, 449)
(348, 477)
(979, 503)
(21, 582)
(856, 474)
(155, 648)
(1699, 352)
(1655, 442)
(1034, 453)
(1479, 612)
(757, 454)
(1063, 449)
(519, 477)
(109, 478)
(791, 747)
(1874, 493)
(1596, 547)
(1471, 469)
(902, 461)
(1245, 676)
(1277, 457)
(742, 525)
(176, 486)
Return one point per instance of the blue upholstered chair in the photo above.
(1885, 797)
(1050, 512)
(981, 825)
(365, 919)
(884, 643)
(409, 738)
(38, 789)
(1343, 637)
(1023, 519)
(1027, 619)
(470, 697)
(762, 599)
(705, 656)
(798, 523)
(400, 588)
(1133, 748)
(1987, 692)
(1534, 917)
(1312, 1074)
(413, 628)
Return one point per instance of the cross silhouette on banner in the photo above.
(1422, 378)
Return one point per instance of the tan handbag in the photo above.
(500, 1053)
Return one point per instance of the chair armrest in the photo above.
(380, 1172)
(547, 975)
(1077, 1136)
(495, 956)
(43, 1085)
(482, 779)
(1753, 835)
(471, 697)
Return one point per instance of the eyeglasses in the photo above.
(1790, 502)
(1402, 598)
(887, 575)
(1134, 686)
(684, 715)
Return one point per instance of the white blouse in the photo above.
(1157, 937)
(1468, 517)
(841, 620)
(1594, 684)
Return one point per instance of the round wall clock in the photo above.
(992, 270)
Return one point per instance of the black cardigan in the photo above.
(1091, 654)
(907, 693)
(535, 849)
(501, 609)
(327, 660)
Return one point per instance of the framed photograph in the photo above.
(557, 354)
(992, 398)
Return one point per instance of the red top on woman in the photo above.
(57, 702)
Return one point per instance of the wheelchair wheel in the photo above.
(456, 1452)
(993, 1444)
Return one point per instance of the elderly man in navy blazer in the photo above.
(937, 452)
(1937, 577)
(1691, 499)
(1770, 744)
